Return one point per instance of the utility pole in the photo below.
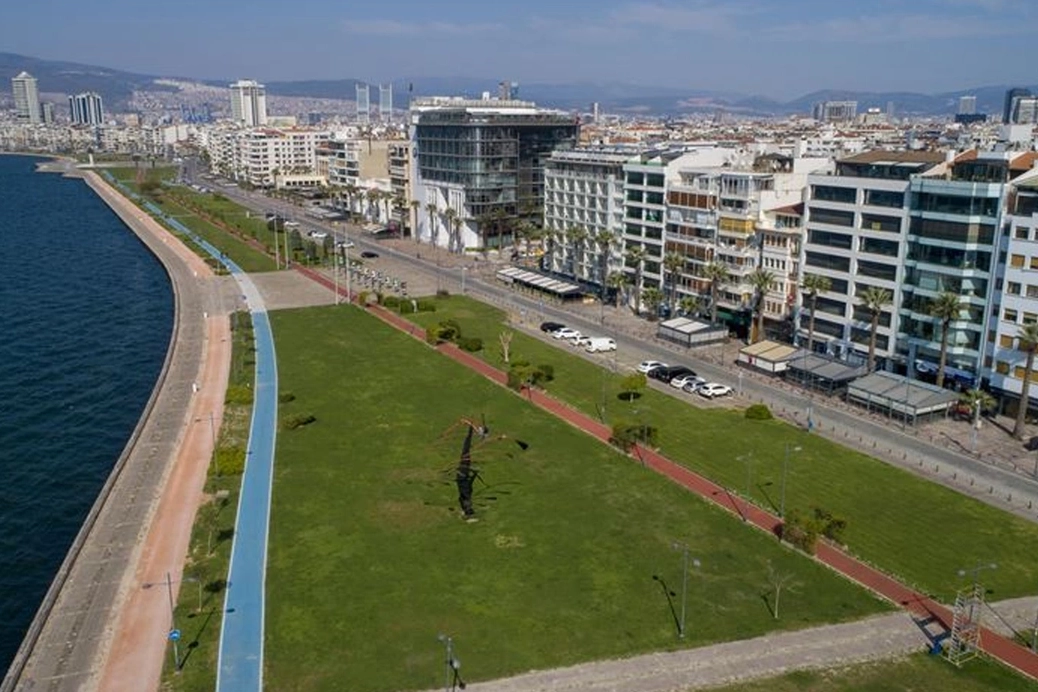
(683, 547)
(785, 469)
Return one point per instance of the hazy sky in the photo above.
(779, 48)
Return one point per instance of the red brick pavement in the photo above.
(995, 645)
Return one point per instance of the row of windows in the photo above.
(1014, 289)
(1018, 261)
(1002, 368)
(849, 195)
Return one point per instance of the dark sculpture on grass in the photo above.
(466, 475)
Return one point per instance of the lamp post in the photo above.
(335, 271)
(683, 547)
(452, 664)
(785, 468)
(464, 271)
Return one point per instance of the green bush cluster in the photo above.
(297, 420)
(626, 433)
(472, 344)
(389, 301)
(521, 372)
(239, 394)
(758, 412)
(286, 397)
(228, 461)
(802, 530)
(407, 306)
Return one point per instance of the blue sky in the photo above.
(778, 48)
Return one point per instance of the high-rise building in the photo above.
(967, 105)
(1009, 105)
(385, 102)
(363, 103)
(835, 111)
(86, 109)
(249, 103)
(484, 159)
(47, 112)
(26, 98)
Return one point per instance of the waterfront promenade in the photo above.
(156, 484)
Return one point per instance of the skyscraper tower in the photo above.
(86, 109)
(363, 104)
(1010, 103)
(385, 102)
(26, 98)
(249, 102)
(967, 105)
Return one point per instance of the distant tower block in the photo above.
(363, 104)
(594, 112)
(967, 105)
(506, 91)
(385, 102)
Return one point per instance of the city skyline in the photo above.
(742, 46)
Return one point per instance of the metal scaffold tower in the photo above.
(964, 639)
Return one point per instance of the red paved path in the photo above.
(995, 645)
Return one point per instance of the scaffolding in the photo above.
(964, 639)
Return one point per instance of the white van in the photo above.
(600, 343)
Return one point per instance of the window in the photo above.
(1021, 232)
(876, 270)
(1002, 367)
(829, 239)
(635, 178)
(829, 193)
(884, 198)
(876, 222)
(1016, 261)
(879, 247)
(1019, 371)
(1032, 291)
(832, 217)
(1009, 315)
(1012, 288)
(825, 261)
(1034, 263)
(1005, 341)
(1030, 318)
(654, 180)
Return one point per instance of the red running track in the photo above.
(919, 605)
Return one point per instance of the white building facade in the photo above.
(249, 103)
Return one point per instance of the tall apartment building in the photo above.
(967, 105)
(484, 159)
(1009, 105)
(1016, 304)
(249, 103)
(385, 102)
(399, 157)
(26, 98)
(856, 234)
(363, 101)
(584, 212)
(265, 157)
(86, 109)
(836, 111)
(338, 160)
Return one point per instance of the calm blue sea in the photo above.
(85, 319)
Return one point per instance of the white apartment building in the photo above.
(584, 212)
(249, 103)
(856, 230)
(261, 156)
(26, 98)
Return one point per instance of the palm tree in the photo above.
(673, 262)
(874, 299)
(604, 241)
(814, 284)
(351, 195)
(945, 307)
(415, 208)
(636, 256)
(433, 211)
(762, 281)
(1027, 341)
(690, 304)
(617, 281)
(450, 217)
(977, 400)
(579, 235)
(717, 273)
(653, 298)
(374, 196)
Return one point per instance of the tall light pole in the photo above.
(464, 270)
(452, 664)
(174, 633)
(785, 468)
(683, 547)
(335, 271)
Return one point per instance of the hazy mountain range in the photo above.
(116, 87)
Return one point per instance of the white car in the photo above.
(647, 365)
(566, 333)
(581, 341)
(600, 343)
(712, 389)
(688, 383)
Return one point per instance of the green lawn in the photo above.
(919, 673)
(369, 559)
(917, 530)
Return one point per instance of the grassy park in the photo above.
(370, 560)
(920, 531)
(919, 672)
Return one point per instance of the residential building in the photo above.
(26, 98)
(1009, 105)
(856, 234)
(363, 100)
(267, 157)
(385, 102)
(584, 212)
(47, 112)
(249, 103)
(86, 109)
(836, 111)
(967, 105)
(400, 183)
(484, 160)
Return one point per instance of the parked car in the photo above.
(679, 381)
(602, 343)
(566, 333)
(581, 341)
(549, 327)
(368, 254)
(670, 372)
(713, 389)
(693, 384)
(648, 365)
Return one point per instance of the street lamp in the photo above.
(464, 270)
(975, 571)
(785, 468)
(452, 664)
(683, 547)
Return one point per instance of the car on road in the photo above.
(566, 333)
(549, 327)
(581, 341)
(679, 381)
(693, 384)
(345, 244)
(713, 389)
(602, 343)
(670, 372)
(647, 366)
(368, 254)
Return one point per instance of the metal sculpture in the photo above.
(466, 474)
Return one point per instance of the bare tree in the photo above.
(506, 346)
(779, 581)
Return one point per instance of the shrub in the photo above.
(362, 298)
(228, 461)
(632, 386)
(426, 305)
(800, 531)
(392, 302)
(471, 344)
(758, 412)
(238, 394)
(297, 420)
(443, 293)
(626, 433)
(548, 371)
(832, 526)
(285, 397)
(451, 329)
